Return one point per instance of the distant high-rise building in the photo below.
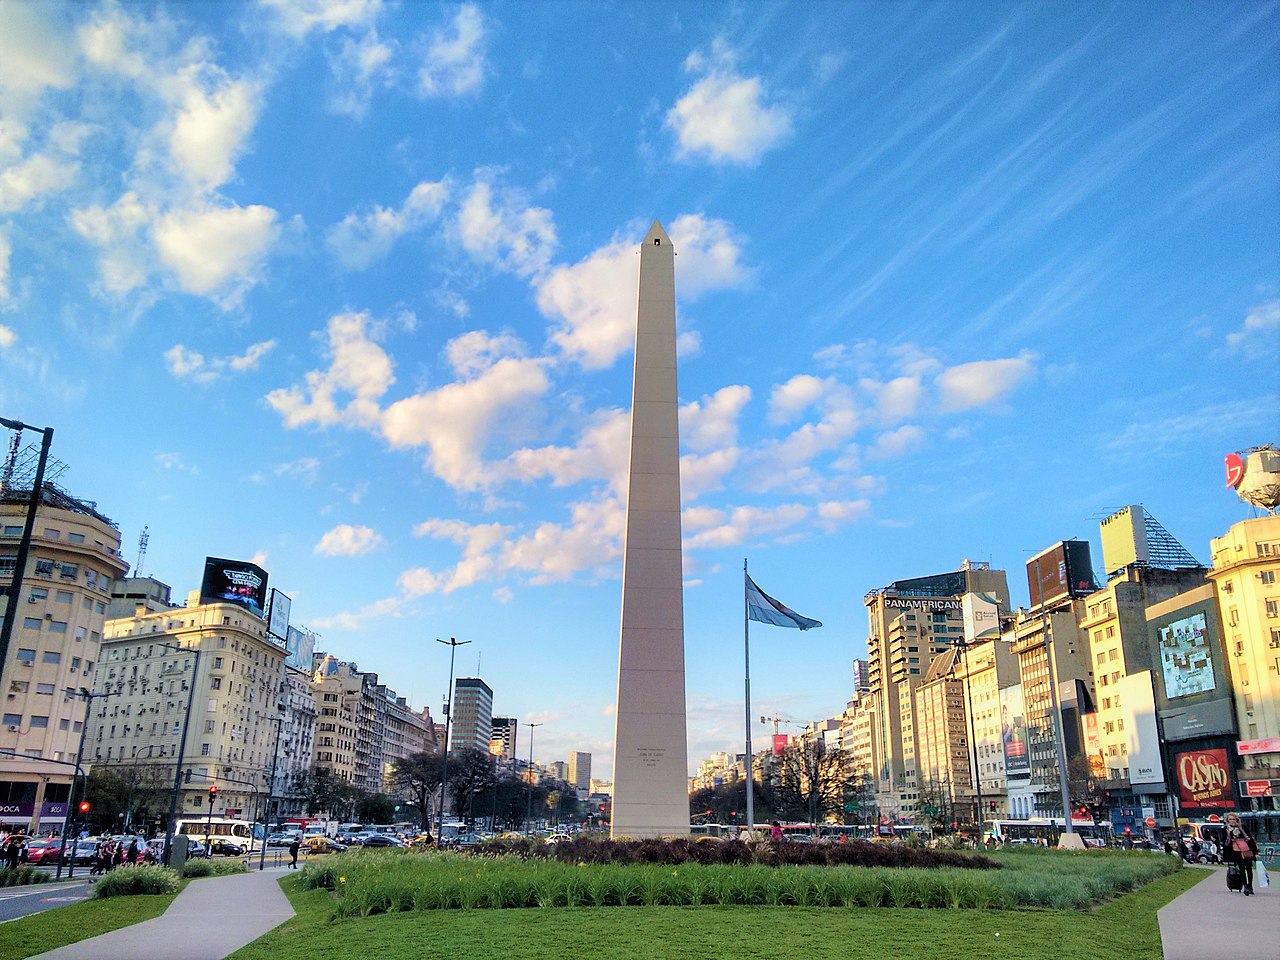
(559, 770)
(861, 680)
(472, 710)
(580, 770)
(502, 737)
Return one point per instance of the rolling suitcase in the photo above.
(1235, 877)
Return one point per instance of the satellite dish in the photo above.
(1254, 474)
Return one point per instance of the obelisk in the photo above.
(650, 757)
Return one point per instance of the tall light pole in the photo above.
(271, 786)
(89, 696)
(963, 643)
(24, 545)
(529, 807)
(172, 823)
(453, 644)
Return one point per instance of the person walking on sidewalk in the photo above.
(1241, 851)
(294, 845)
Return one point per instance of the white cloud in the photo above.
(357, 620)
(594, 299)
(476, 351)
(510, 234)
(454, 64)
(896, 400)
(789, 400)
(723, 117)
(346, 540)
(39, 174)
(457, 421)
(982, 382)
(299, 17)
(895, 443)
(478, 561)
(600, 453)
(123, 257)
(7, 335)
(189, 365)
(211, 126)
(6, 251)
(34, 56)
(747, 522)
(356, 68)
(833, 514)
(712, 422)
(1261, 323)
(216, 252)
(359, 368)
(361, 239)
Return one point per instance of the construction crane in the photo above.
(777, 720)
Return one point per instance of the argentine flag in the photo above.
(764, 609)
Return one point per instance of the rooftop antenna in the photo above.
(477, 663)
(6, 472)
(143, 538)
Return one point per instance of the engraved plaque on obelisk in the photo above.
(650, 778)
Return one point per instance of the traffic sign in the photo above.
(852, 805)
(1150, 821)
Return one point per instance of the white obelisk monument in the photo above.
(650, 758)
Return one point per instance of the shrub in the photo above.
(22, 876)
(213, 868)
(133, 881)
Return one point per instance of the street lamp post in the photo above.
(529, 807)
(172, 823)
(271, 787)
(89, 696)
(968, 696)
(453, 644)
(24, 545)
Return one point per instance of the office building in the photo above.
(579, 773)
(472, 710)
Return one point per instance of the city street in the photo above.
(18, 902)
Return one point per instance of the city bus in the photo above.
(723, 831)
(246, 834)
(1044, 831)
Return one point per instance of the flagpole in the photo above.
(746, 647)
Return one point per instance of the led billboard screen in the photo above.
(1064, 570)
(1185, 657)
(235, 581)
(1013, 731)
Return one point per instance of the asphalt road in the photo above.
(17, 902)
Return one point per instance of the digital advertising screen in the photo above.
(1013, 731)
(235, 581)
(1185, 657)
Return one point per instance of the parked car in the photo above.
(554, 838)
(281, 839)
(44, 850)
(381, 840)
(83, 852)
(314, 845)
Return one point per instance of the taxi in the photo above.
(314, 845)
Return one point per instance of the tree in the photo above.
(727, 803)
(860, 798)
(935, 803)
(471, 773)
(127, 794)
(811, 779)
(1087, 786)
(323, 791)
(376, 808)
(418, 776)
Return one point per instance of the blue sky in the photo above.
(347, 287)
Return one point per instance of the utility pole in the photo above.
(453, 645)
(24, 545)
(172, 823)
(529, 807)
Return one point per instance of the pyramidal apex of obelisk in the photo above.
(650, 760)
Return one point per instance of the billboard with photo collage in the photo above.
(1013, 731)
(300, 644)
(235, 581)
(1194, 683)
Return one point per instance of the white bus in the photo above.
(246, 834)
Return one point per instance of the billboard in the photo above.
(981, 613)
(278, 615)
(1013, 731)
(1064, 570)
(300, 644)
(780, 741)
(1204, 778)
(1093, 747)
(1139, 699)
(235, 581)
(1185, 657)
(1124, 538)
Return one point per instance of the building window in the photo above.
(51, 656)
(1267, 576)
(32, 623)
(26, 655)
(45, 689)
(204, 752)
(62, 596)
(1273, 608)
(57, 626)
(39, 721)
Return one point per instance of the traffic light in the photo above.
(213, 793)
(84, 807)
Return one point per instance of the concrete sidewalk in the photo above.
(1209, 922)
(211, 919)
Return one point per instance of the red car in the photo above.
(46, 850)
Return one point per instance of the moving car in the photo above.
(281, 839)
(382, 840)
(45, 850)
(84, 852)
(315, 845)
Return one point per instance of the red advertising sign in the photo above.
(780, 744)
(1257, 788)
(1235, 470)
(1204, 779)
(1265, 745)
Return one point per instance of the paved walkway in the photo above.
(211, 919)
(1209, 922)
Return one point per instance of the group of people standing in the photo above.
(116, 853)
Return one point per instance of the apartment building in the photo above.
(58, 622)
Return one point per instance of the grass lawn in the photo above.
(724, 933)
(78, 921)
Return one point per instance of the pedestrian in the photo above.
(1183, 851)
(132, 857)
(1241, 851)
(294, 845)
(775, 832)
(13, 850)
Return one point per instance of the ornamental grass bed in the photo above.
(367, 883)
